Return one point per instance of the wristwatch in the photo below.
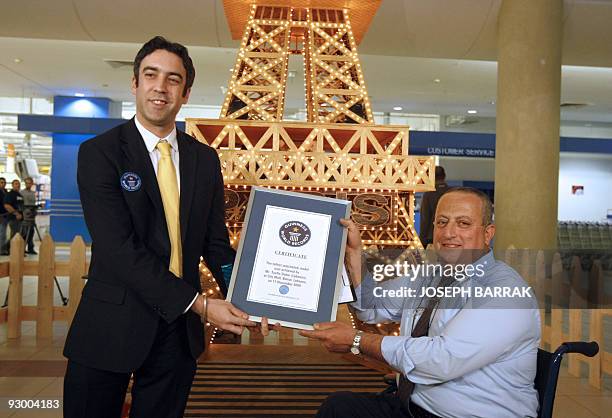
(356, 341)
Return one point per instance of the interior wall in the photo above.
(468, 168)
(594, 172)
(480, 124)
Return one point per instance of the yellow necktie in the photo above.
(166, 178)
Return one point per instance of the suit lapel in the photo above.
(137, 157)
(187, 163)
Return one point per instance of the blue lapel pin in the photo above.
(130, 181)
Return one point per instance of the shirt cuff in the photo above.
(192, 302)
(394, 352)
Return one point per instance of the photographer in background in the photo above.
(29, 214)
(3, 217)
(13, 203)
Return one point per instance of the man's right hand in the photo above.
(224, 315)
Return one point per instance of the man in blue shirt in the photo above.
(476, 358)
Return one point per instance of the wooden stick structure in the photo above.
(333, 80)
(339, 151)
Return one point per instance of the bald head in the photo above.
(486, 204)
(463, 222)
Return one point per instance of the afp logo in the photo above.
(294, 233)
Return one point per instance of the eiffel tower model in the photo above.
(338, 151)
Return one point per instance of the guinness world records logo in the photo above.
(294, 233)
(130, 181)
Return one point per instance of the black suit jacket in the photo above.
(129, 286)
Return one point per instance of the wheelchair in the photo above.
(547, 374)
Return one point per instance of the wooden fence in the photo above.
(46, 268)
(568, 305)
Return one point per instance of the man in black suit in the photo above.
(153, 202)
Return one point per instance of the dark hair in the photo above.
(487, 205)
(440, 173)
(159, 42)
(2, 178)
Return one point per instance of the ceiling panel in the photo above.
(192, 22)
(587, 33)
(458, 29)
(41, 19)
(436, 29)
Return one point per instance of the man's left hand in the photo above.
(336, 337)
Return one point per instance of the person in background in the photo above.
(3, 217)
(13, 203)
(29, 213)
(429, 202)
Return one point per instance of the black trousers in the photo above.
(369, 405)
(161, 385)
(29, 231)
(15, 226)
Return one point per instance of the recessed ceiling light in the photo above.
(436, 80)
(472, 111)
(79, 94)
(397, 108)
(17, 60)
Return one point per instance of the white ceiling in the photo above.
(62, 45)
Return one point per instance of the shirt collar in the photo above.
(487, 261)
(151, 140)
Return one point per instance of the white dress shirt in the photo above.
(475, 361)
(151, 140)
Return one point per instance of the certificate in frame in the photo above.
(290, 258)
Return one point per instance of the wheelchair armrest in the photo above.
(582, 347)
